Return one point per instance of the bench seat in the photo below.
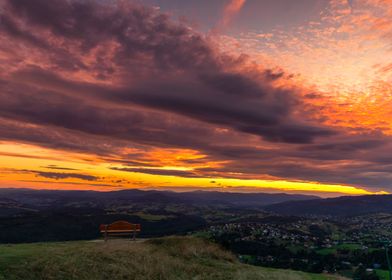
(119, 228)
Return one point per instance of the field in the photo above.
(334, 249)
(162, 258)
(383, 274)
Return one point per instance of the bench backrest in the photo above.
(120, 226)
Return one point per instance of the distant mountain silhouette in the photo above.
(40, 215)
(55, 197)
(339, 206)
(242, 199)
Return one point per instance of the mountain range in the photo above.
(47, 198)
(338, 206)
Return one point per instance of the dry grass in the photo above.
(161, 259)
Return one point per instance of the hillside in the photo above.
(164, 258)
(76, 215)
(47, 198)
(339, 206)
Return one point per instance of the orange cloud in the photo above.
(344, 56)
(230, 11)
(205, 119)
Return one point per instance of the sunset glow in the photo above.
(109, 95)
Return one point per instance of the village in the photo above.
(330, 245)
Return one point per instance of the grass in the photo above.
(334, 249)
(164, 259)
(326, 251)
(295, 249)
(349, 246)
(151, 217)
(382, 274)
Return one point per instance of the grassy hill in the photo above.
(163, 258)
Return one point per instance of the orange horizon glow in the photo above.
(18, 171)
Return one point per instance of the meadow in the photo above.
(159, 258)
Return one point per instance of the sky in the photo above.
(225, 95)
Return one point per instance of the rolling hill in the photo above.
(167, 258)
(339, 206)
(47, 198)
(76, 215)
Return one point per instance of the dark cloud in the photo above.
(57, 175)
(190, 77)
(59, 167)
(48, 108)
(347, 146)
(101, 76)
(60, 175)
(10, 27)
(57, 138)
(68, 183)
(156, 171)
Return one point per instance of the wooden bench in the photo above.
(119, 228)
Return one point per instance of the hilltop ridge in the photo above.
(167, 258)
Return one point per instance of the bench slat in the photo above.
(119, 228)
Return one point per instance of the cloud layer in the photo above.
(104, 78)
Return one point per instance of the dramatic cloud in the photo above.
(58, 167)
(191, 78)
(141, 93)
(59, 175)
(154, 171)
(231, 9)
